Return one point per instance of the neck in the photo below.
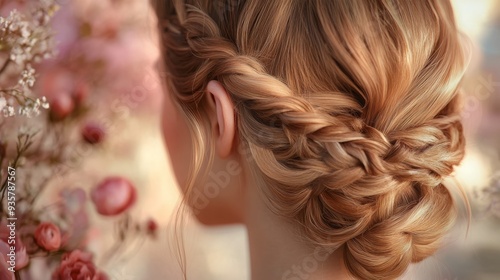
(276, 252)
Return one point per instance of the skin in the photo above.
(275, 250)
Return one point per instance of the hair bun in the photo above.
(349, 114)
(387, 247)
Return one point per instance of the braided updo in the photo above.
(348, 108)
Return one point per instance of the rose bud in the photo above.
(93, 133)
(22, 258)
(113, 196)
(77, 265)
(151, 226)
(61, 106)
(48, 236)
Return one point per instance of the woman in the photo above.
(326, 127)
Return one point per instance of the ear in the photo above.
(221, 116)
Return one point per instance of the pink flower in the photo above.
(22, 258)
(48, 236)
(77, 265)
(113, 196)
(151, 227)
(93, 133)
(5, 273)
(61, 106)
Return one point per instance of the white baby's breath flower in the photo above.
(37, 103)
(36, 111)
(27, 76)
(45, 103)
(25, 32)
(8, 111)
(27, 38)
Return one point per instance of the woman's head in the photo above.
(347, 111)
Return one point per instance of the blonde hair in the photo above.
(349, 110)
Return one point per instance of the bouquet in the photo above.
(48, 128)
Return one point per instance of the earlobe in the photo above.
(223, 118)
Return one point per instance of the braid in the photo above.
(345, 179)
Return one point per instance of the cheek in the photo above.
(178, 141)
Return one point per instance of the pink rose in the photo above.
(48, 236)
(77, 265)
(57, 84)
(113, 196)
(93, 133)
(22, 258)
